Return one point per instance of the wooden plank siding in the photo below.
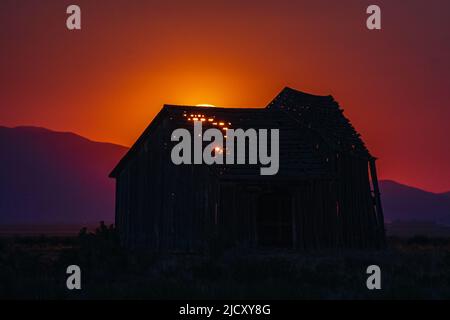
(167, 208)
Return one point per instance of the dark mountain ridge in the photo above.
(55, 177)
(50, 177)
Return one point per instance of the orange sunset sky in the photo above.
(107, 81)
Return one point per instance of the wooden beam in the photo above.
(376, 190)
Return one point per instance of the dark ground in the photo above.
(34, 267)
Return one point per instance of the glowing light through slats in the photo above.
(208, 119)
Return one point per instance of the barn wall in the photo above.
(162, 207)
(140, 188)
(356, 204)
(316, 222)
(235, 215)
(327, 213)
(313, 206)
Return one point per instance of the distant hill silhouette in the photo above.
(50, 177)
(405, 203)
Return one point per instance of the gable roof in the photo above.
(300, 118)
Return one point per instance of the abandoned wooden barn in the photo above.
(325, 194)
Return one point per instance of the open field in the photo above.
(21, 230)
(34, 267)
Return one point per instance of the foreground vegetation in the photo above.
(35, 268)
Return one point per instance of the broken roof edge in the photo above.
(288, 90)
(204, 108)
(326, 99)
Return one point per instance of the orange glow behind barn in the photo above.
(109, 80)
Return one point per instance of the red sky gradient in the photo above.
(107, 81)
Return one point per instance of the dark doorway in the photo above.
(274, 221)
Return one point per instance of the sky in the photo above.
(108, 80)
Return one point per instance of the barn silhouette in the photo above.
(325, 194)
